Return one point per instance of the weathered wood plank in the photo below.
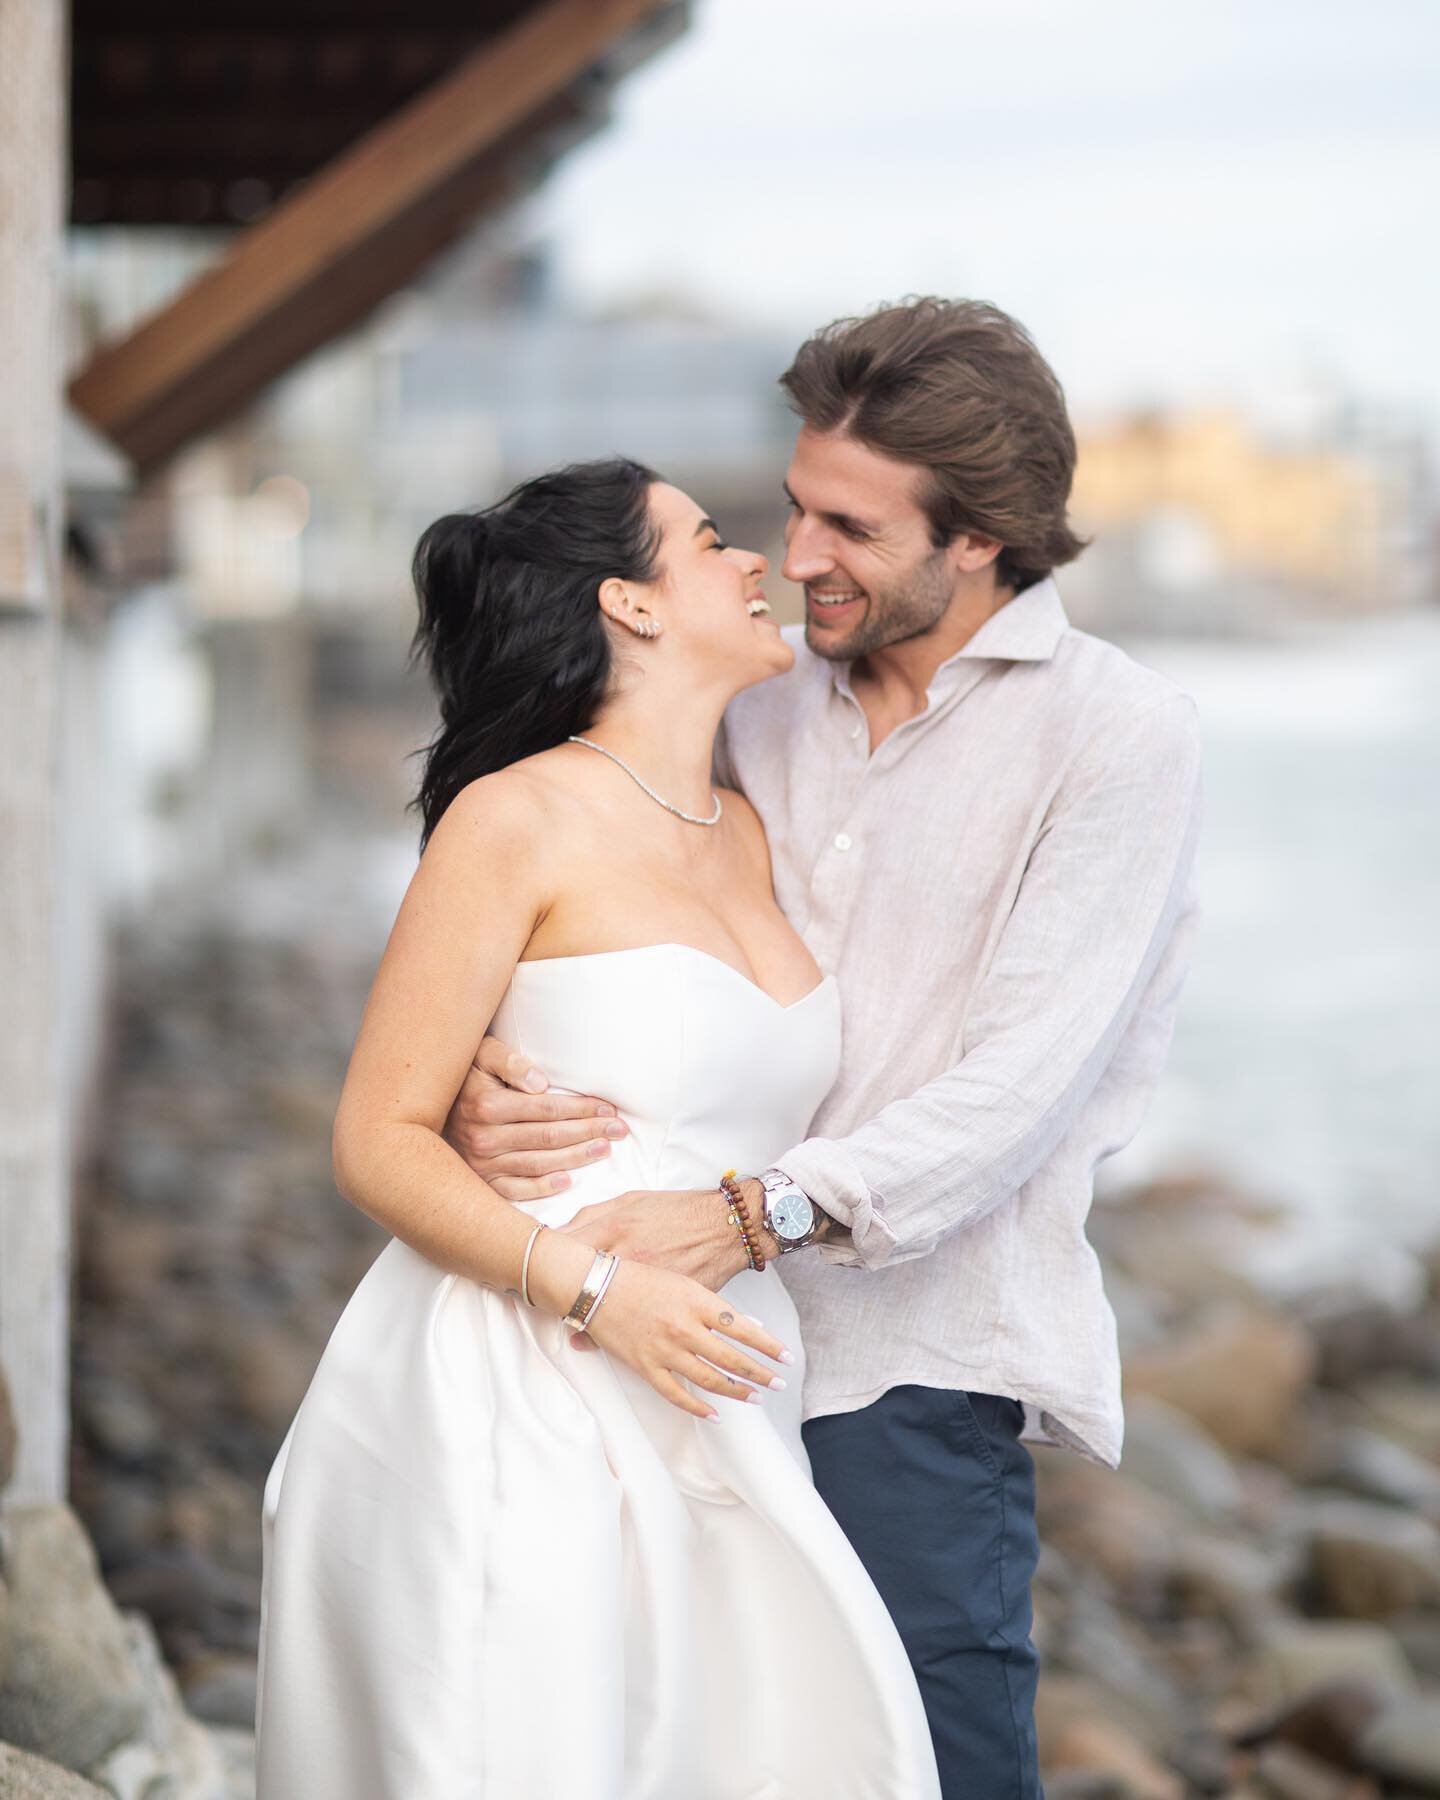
(351, 235)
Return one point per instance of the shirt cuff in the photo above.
(831, 1177)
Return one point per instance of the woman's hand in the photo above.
(668, 1329)
(665, 1327)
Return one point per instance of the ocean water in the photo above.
(1306, 1062)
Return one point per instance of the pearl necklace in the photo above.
(659, 799)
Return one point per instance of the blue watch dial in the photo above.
(791, 1214)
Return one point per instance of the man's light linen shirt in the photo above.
(1005, 892)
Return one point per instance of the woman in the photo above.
(493, 1567)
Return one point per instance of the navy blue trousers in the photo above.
(937, 1494)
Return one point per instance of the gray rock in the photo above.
(170, 1754)
(1377, 1468)
(71, 1692)
(1404, 1408)
(1173, 1455)
(9, 1437)
(1116, 1660)
(1404, 1745)
(1286, 1772)
(1358, 1334)
(27, 1777)
(1418, 1635)
(1227, 1578)
(119, 1418)
(236, 1749)
(1367, 1561)
(221, 1690)
(1239, 1371)
(1297, 1656)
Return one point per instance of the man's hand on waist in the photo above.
(519, 1138)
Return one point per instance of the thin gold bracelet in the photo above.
(525, 1265)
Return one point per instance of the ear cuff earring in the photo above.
(647, 628)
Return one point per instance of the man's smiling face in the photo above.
(859, 542)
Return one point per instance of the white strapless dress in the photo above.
(497, 1569)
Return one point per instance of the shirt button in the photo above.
(855, 731)
(843, 840)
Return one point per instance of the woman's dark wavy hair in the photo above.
(510, 628)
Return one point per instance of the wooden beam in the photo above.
(352, 234)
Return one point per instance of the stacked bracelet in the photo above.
(597, 1283)
(730, 1188)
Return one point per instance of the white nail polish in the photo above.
(777, 1381)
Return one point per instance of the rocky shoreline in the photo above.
(1249, 1608)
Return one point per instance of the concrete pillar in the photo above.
(34, 1185)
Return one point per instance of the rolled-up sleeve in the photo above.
(1109, 879)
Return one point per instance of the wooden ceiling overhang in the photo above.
(367, 145)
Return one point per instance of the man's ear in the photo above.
(973, 551)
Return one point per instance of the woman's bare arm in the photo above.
(470, 909)
(467, 916)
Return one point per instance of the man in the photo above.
(983, 822)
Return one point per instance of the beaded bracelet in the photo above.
(730, 1188)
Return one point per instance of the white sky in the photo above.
(1214, 198)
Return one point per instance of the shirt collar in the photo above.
(1025, 629)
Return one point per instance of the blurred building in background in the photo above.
(1216, 521)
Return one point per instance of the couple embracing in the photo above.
(733, 1084)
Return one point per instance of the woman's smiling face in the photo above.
(708, 601)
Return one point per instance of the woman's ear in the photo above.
(615, 601)
(619, 605)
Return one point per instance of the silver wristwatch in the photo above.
(790, 1214)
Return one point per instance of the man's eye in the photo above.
(719, 544)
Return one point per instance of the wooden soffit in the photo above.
(362, 226)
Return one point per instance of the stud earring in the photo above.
(648, 628)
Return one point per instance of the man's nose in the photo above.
(806, 557)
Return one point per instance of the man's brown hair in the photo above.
(958, 387)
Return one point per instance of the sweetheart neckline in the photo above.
(709, 956)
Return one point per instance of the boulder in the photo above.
(1327, 1723)
(1239, 1371)
(169, 1748)
(1285, 1772)
(1103, 1523)
(71, 1691)
(1121, 1667)
(1377, 1468)
(1297, 1656)
(1213, 1576)
(1403, 1408)
(1171, 1454)
(24, 1776)
(220, 1688)
(1403, 1745)
(1357, 1334)
(9, 1437)
(1418, 1635)
(1367, 1561)
(1102, 1747)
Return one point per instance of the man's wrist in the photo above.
(754, 1191)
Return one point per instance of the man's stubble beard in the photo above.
(894, 613)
